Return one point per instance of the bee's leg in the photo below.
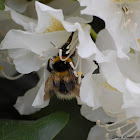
(70, 39)
(65, 46)
(48, 87)
(73, 54)
(76, 90)
(46, 96)
(48, 66)
(54, 57)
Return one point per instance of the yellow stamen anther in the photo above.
(79, 73)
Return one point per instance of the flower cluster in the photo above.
(56, 43)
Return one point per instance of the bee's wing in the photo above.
(76, 90)
(48, 87)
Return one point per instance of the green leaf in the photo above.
(43, 129)
(2, 4)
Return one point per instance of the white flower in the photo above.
(126, 120)
(101, 94)
(122, 76)
(121, 19)
(48, 29)
(24, 103)
(31, 49)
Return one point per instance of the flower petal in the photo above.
(24, 103)
(86, 46)
(39, 99)
(95, 115)
(37, 43)
(87, 92)
(25, 61)
(45, 15)
(29, 24)
(97, 133)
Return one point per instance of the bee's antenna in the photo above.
(54, 45)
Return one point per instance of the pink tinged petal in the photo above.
(45, 15)
(24, 103)
(39, 99)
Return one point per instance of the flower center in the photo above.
(55, 25)
(106, 85)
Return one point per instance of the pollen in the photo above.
(55, 25)
(132, 51)
(138, 40)
(79, 73)
(106, 85)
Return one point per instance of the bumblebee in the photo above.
(62, 80)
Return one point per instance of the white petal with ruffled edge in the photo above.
(95, 115)
(29, 24)
(123, 28)
(132, 97)
(36, 43)
(26, 61)
(39, 99)
(87, 91)
(24, 103)
(45, 15)
(97, 133)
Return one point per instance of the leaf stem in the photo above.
(93, 33)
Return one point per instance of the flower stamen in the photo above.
(72, 65)
(128, 126)
(9, 77)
